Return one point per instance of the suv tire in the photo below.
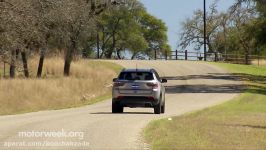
(163, 107)
(116, 108)
(157, 108)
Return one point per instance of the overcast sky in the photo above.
(173, 12)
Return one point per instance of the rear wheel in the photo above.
(157, 108)
(116, 108)
(120, 109)
(163, 107)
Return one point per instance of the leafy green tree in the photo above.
(154, 31)
(130, 28)
(257, 27)
(260, 25)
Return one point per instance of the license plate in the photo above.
(135, 87)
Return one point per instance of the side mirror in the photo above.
(114, 79)
(164, 81)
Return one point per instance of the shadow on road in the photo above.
(132, 113)
(227, 88)
(209, 76)
(258, 85)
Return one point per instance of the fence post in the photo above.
(176, 53)
(185, 54)
(246, 59)
(226, 57)
(258, 60)
(215, 57)
(155, 55)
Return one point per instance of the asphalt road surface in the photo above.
(191, 86)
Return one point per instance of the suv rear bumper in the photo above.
(136, 101)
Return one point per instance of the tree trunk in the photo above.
(17, 53)
(101, 56)
(110, 51)
(246, 49)
(25, 64)
(225, 41)
(42, 56)
(40, 66)
(114, 44)
(103, 45)
(69, 58)
(67, 67)
(118, 54)
(133, 56)
(98, 45)
(247, 57)
(103, 49)
(12, 70)
(108, 54)
(210, 49)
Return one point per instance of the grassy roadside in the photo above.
(90, 82)
(237, 124)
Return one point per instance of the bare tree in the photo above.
(192, 32)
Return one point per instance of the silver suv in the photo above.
(138, 88)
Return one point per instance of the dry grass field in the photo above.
(261, 62)
(89, 82)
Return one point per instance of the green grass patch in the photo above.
(246, 69)
(237, 124)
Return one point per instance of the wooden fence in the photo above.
(216, 57)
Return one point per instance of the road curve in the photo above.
(191, 86)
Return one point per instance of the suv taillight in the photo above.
(153, 85)
(118, 84)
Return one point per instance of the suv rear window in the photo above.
(142, 76)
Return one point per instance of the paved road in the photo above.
(191, 86)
